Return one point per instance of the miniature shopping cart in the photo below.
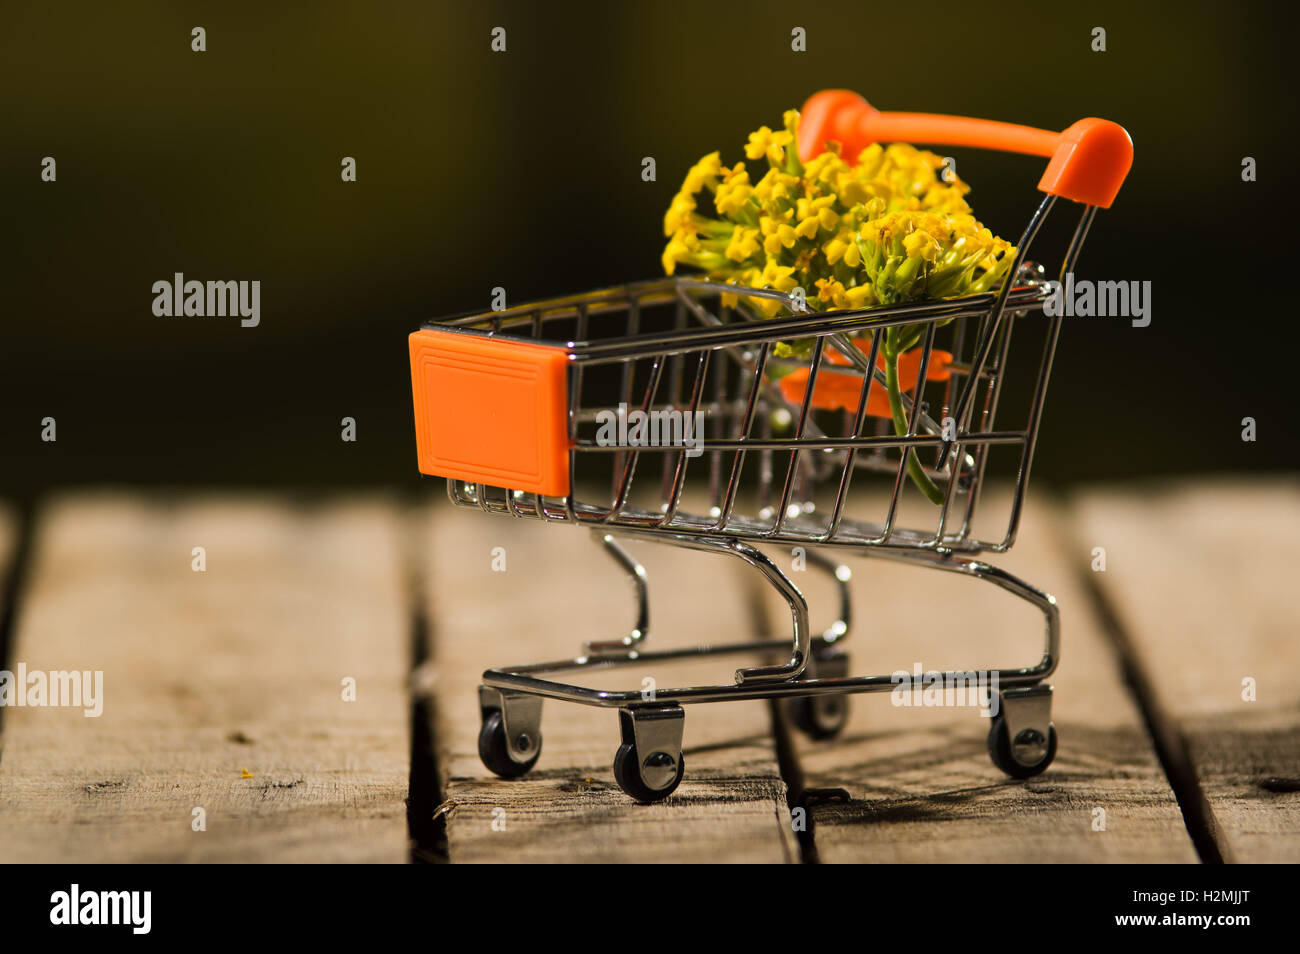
(510, 407)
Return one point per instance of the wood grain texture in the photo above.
(238, 668)
(1202, 578)
(210, 677)
(922, 785)
(559, 590)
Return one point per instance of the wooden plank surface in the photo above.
(557, 591)
(922, 785)
(221, 689)
(1202, 578)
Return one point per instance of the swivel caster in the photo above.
(1022, 738)
(649, 764)
(819, 717)
(822, 716)
(510, 740)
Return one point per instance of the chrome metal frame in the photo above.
(772, 681)
(741, 419)
(669, 369)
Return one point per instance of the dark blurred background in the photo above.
(522, 169)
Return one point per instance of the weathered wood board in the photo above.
(222, 689)
(922, 785)
(1202, 576)
(557, 591)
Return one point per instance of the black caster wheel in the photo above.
(629, 773)
(495, 754)
(819, 717)
(1000, 750)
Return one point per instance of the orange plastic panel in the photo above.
(491, 411)
(836, 390)
(1089, 161)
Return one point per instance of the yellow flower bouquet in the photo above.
(886, 227)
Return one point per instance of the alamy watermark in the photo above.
(1083, 298)
(966, 688)
(56, 689)
(194, 299)
(663, 428)
(132, 909)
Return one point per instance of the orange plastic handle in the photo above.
(1088, 161)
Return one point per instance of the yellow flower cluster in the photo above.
(909, 255)
(888, 227)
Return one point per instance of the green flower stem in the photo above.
(914, 468)
(909, 336)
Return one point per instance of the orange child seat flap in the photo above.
(491, 411)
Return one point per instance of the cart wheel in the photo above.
(494, 752)
(1000, 750)
(819, 717)
(630, 773)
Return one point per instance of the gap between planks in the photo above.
(922, 787)
(1200, 580)
(557, 591)
(15, 545)
(208, 674)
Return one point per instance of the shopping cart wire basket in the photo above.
(664, 411)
